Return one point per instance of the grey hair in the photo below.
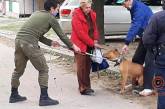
(84, 2)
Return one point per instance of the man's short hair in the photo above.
(50, 3)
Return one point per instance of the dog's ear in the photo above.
(107, 55)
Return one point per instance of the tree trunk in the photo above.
(98, 6)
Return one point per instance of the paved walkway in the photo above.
(64, 88)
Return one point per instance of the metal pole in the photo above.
(24, 7)
(33, 5)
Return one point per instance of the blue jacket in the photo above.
(140, 15)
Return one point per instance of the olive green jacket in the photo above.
(38, 24)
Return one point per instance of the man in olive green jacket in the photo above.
(27, 48)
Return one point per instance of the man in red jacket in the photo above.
(85, 36)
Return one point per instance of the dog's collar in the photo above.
(118, 61)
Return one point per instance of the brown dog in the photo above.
(127, 68)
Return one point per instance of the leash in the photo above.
(89, 54)
(86, 53)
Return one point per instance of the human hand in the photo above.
(125, 49)
(76, 48)
(96, 45)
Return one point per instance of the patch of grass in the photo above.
(10, 17)
(15, 27)
(103, 73)
(12, 26)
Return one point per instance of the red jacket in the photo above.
(80, 30)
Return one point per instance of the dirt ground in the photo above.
(109, 81)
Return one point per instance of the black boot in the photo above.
(45, 100)
(15, 97)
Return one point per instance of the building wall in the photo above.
(39, 4)
(26, 6)
(12, 9)
(2, 6)
(16, 8)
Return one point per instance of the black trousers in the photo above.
(140, 54)
(149, 70)
(159, 84)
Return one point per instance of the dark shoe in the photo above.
(15, 97)
(138, 88)
(87, 92)
(45, 100)
(91, 90)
